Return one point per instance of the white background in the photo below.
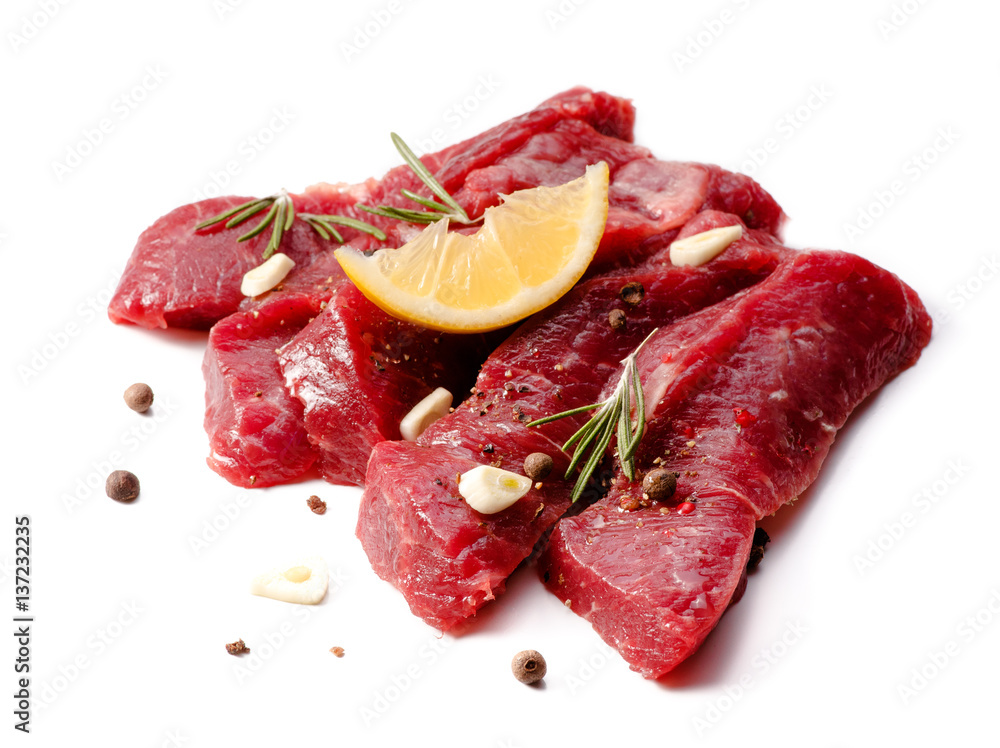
(869, 577)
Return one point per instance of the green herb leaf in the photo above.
(324, 226)
(268, 218)
(403, 214)
(252, 207)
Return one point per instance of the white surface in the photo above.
(864, 104)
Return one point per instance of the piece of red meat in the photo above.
(254, 425)
(241, 358)
(743, 400)
(358, 371)
(419, 534)
(648, 199)
(179, 278)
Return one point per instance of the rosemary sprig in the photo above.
(281, 211)
(614, 417)
(281, 214)
(447, 208)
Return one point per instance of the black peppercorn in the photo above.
(632, 293)
(537, 466)
(122, 486)
(659, 484)
(528, 666)
(139, 397)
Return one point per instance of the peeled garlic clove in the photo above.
(424, 413)
(304, 581)
(698, 249)
(267, 275)
(489, 489)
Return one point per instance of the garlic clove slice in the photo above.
(424, 413)
(267, 275)
(305, 581)
(698, 249)
(489, 489)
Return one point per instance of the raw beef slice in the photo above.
(177, 277)
(743, 400)
(254, 425)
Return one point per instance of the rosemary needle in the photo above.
(326, 222)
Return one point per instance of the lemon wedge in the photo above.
(530, 250)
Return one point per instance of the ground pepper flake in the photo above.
(744, 417)
(337, 651)
(686, 508)
(237, 647)
(616, 318)
(317, 504)
(631, 503)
